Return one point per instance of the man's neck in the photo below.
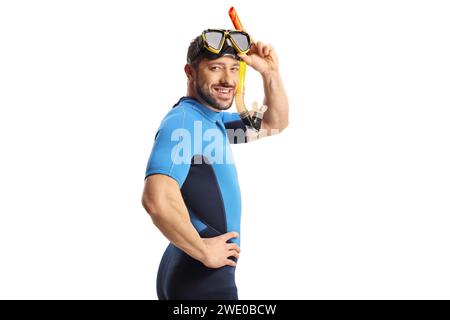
(200, 100)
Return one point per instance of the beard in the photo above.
(208, 98)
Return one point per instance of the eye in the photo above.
(214, 68)
(235, 69)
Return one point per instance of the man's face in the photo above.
(216, 81)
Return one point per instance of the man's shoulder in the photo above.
(180, 116)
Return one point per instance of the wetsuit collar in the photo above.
(207, 112)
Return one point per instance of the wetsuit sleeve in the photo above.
(171, 150)
(235, 127)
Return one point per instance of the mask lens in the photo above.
(214, 39)
(241, 40)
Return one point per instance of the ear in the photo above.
(189, 72)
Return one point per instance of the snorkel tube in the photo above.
(253, 122)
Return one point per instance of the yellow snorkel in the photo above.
(253, 122)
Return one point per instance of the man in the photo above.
(191, 192)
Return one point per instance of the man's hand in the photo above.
(261, 57)
(218, 250)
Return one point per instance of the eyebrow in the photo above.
(223, 64)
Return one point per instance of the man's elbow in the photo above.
(284, 125)
(278, 128)
(152, 205)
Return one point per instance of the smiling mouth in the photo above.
(224, 92)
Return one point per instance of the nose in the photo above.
(226, 77)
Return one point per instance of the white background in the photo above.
(351, 201)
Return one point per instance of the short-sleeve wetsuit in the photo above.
(192, 146)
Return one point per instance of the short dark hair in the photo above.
(194, 52)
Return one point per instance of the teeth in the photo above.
(224, 90)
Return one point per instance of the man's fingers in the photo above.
(253, 49)
(260, 47)
(234, 246)
(230, 263)
(233, 253)
(247, 59)
(229, 235)
(267, 50)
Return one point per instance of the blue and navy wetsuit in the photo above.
(192, 146)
